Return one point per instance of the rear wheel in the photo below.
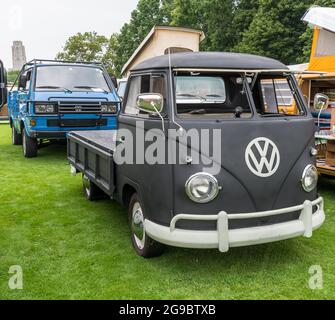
(142, 243)
(16, 137)
(91, 191)
(29, 145)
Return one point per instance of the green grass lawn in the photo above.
(70, 248)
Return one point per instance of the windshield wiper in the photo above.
(188, 95)
(91, 88)
(54, 87)
(203, 99)
(214, 96)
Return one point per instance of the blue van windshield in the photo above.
(70, 78)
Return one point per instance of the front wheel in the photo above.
(16, 137)
(29, 145)
(142, 243)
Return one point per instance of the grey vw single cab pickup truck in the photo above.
(205, 155)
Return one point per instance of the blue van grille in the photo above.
(78, 107)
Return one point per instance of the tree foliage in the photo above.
(267, 27)
(276, 30)
(214, 17)
(88, 46)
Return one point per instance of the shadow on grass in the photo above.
(272, 255)
(327, 184)
(52, 151)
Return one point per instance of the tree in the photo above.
(213, 17)
(276, 30)
(11, 76)
(244, 13)
(88, 46)
(110, 56)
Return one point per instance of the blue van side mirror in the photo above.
(114, 81)
(23, 81)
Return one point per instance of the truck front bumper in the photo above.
(49, 134)
(223, 238)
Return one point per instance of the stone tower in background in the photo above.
(19, 55)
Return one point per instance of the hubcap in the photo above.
(137, 225)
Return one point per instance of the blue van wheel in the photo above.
(16, 137)
(29, 145)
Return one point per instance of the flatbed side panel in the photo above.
(96, 163)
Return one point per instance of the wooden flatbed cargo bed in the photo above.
(91, 152)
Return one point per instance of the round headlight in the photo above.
(202, 187)
(310, 178)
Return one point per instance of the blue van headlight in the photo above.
(202, 187)
(109, 108)
(310, 178)
(45, 108)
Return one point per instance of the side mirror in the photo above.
(321, 102)
(3, 85)
(150, 103)
(114, 81)
(23, 81)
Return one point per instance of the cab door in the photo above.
(19, 98)
(153, 181)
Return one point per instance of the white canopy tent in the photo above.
(321, 17)
(324, 20)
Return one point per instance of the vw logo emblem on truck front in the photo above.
(262, 157)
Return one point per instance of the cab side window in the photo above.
(153, 83)
(278, 97)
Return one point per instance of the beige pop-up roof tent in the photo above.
(323, 49)
(160, 40)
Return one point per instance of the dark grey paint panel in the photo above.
(242, 191)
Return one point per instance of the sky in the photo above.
(45, 25)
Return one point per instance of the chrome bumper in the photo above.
(223, 238)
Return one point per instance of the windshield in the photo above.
(71, 78)
(211, 96)
(200, 89)
(225, 95)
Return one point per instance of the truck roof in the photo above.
(212, 60)
(44, 62)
